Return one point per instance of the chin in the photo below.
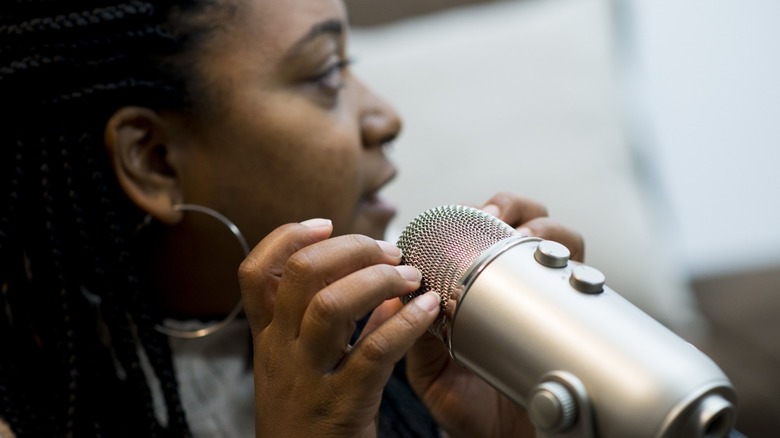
(371, 226)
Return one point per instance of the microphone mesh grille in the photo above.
(443, 242)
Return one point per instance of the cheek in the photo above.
(288, 178)
(277, 158)
(329, 180)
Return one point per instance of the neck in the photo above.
(193, 269)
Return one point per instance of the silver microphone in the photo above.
(549, 334)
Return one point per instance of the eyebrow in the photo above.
(332, 26)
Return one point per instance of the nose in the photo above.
(380, 123)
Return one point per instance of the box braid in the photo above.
(75, 319)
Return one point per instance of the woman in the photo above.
(134, 125)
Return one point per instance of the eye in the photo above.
(331, 79)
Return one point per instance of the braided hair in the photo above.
(75, 320)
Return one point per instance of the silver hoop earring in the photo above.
(205, 331)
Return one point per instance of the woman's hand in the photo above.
(303, 293)
(462, 403)
(530, 218)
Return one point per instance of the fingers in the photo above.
(514, 209)
(304, 293)
(312, 270)
(330, 317)
(310, 290)
(530, 218)
(549, 229)
(260, 273)
(381, 314)
(386, 344)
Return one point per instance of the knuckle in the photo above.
(383, 273)
(536, 209)
(299, 264)
(407, 319)
(248, 269)
(376, 347)
(324, 306)
(522, 205)
(360, 241)
(385, 280)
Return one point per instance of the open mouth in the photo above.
(378, 207)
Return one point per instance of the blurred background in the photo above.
(650, 126)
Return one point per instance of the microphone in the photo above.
(548, 333)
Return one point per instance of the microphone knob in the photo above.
(587, 279)
(551, 407)
(552, 254)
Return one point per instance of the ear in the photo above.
(138, 142)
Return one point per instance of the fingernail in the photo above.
(525, 231)
(317, 223)
(389, 248)
(492, 209)
(409, 272)
(428, 301)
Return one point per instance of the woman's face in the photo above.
(292, 134)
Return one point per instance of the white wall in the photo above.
(704, 79)
(522, 96)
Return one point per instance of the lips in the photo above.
(376, 207)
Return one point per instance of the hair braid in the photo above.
(14, 400)
(66, 226)
(159, 353)
(117, 308)
(13, 167)
(72, 21)
(118, 298)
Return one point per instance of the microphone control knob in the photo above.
(587, 280)
(552, 254)
(552, 407)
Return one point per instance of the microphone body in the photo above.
(549, 334)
